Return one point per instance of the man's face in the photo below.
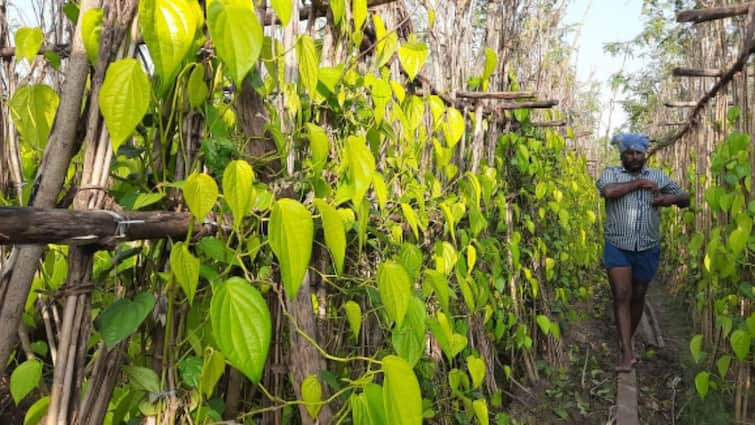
(633, 160)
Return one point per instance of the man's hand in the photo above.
(646, 184)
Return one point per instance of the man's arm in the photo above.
(681, 200)
(617, 190)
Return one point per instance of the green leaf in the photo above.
(412, 56)
(439, 283)
(291, 236)
(454, 126)
(146, 199)
(309, 62)
(190, 369)
(28, 42)
(90, 32)
(354, 316)
(402, 398)
(544, 323)
(143, 378)
(409, 339)
(124, 99)
(37, 411)
(24, 379)
(197, 87)
(481, 411)
(450, 342)
(476, 368)
(723, 365)
(237, 34)
(238, 190)
(395, 290)
(740, 343)
(381, 191)
(212, 369)
(241, 326)
(335, 234)
(359, 13)
(338, 9)
(738, 238)
(411, 258)
(386, 41)
(361, 167)
(695, 347)
(319, 145)
(185, 267)
(702, 382)
(491, 61)
(750, 322)
(122, 318)
(283, 9)
(411, 218)
(33, 109)
(311, 395)
(200, 192)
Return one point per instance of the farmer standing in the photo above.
(633, 195)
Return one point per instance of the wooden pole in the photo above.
(506, 95)
(680, 104)
(696, 72)
(713, 13)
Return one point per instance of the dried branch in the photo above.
(713, 13)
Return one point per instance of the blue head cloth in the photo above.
(635, 142)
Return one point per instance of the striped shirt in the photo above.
(632, 222)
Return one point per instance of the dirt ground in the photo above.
(584, 391)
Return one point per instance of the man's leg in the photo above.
(621, 286)
(638, 303)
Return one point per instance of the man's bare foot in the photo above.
(626, 366)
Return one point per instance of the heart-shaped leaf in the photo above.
(311, 394)
(291, 236)
(476, 368)
(740, 343)
(354, 316)
(238, 190)
(241, 326)
(197, 87)
(185, 267)
(200, 192)
(28, 42)
(283, 9)
(696, 348)
(212, 369)
(412, 56)
(124, 99)
(454, 126)
(91, 28)
(33, 109)
(335, 234)
(37, 411)
(395, 290)
(309, 62)
(24, 379)
(359, 13)
(319, 144)
(409, 339)
(480, 408)
(123, 317)
(702, 383)
(143, 378)
(402, 398)
(168, 28)
(237, 34)
(361, 165)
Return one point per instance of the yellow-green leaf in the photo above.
(335, 234)
(24, 379)
(213, 368)
(291, 234)
(33, 109)
(354, 316)
(740, 343)
(481, 411)
(491, 61)
(124, 99)
(311, 394)
(411, 217)
(200, 192)
(395, 290)
(37, 411)
(412, 56)
(168, 28)
(319, 145)
(476, 368)
(361, 167)
(381, 191)
(91, 28)
(309, 62)
(702, 383)
(237, 35)
(238, 190)
(197, 87)
(338, 9)
(696, 348)
(185, 267)
(453, 128)
(359, 13)
(283, 9)
(401, 394)
(386, 41)
(28, 42)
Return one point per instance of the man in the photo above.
(633, 195)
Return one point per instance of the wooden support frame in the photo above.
(549, 124)
(696, 72)
(680, 104)
(505, 95)
(713, 13)
(320, 10)
(24, 225)
(537, 104)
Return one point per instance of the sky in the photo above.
(604, 21)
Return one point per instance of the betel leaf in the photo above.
(723, 365)
(291, 236)
(439, 284)
(386, 41)
(28, 42)
(143, 378)
(33, 109)
(37, 411)
(122, 318)
(544, 323)
(411, 218)
(702, 383)
(283, 9)
(238, 190)
(695, 347)
(476, 367)
(197, 87)
(319, 145)
(91, 28)
(200, 192)
(367, 407)
(237, 35)
(359, 13)
(24, 379)
(311, 395)
(190, 368)
(124, 99)
(361, 165)
(402, 399)
(381, 191)
(481, 411)
(491, 61)
(338, 9)
(335, 233)
(738, 238)
(168, 28)
(395, 290)
(453, 128)
(409, 339)
(241, 326)
(412, 56)
(354, 316)
(212, 369)
(185, 267)
(309, 62)
(740, 343)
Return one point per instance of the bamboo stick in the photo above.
(695, 72)
(712, 13)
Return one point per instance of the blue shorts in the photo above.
(644, 264)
